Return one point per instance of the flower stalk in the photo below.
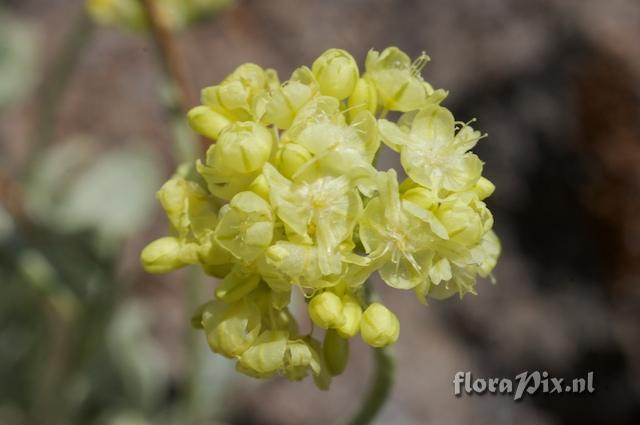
(169, 55)
(383, 378)
(171, 61)
(380, 388)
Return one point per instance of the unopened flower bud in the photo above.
(204, 120)
(286, 101)
(244, 147)
(266, 355)
(162, 255)
(246, 228)
(325, 310)
(231, 330)
(484, 188)
(291, 157)
(363, 98)
(379, 326)
(462, 223)
(337, 73)
(398, 81)
(336, 352)
(352, 315)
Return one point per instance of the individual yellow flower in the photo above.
(300, 358)
(243, 148)
(325, 309)
(363, 98)
(336, 72)
(193, 216)
(164, 255)
(207, 121)
(266, 355)
(398, 81)
(470, 250)
(235, 161)
(291, 158)
(238, 97)
(337, 148)
(352, 312)
(431, 151)
(484, 188)
(231, 329)
(246, 226)
(324, 210)
(282, 104)
(286, 263)
(389, 232)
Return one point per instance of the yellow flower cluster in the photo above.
(130, 15)
(288, 197)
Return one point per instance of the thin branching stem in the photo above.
(55, 83)
(171, 59)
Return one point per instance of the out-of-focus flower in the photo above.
(130, 15)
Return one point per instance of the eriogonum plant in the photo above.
(289, 199)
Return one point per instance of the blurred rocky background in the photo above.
(86, 337)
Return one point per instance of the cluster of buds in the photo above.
(288, 199)
(130, 15)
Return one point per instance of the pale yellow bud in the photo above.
(325, 310)
(379, 326)
(162, 255)
(363, 98)
(336, 352)
(204, 120)
(231, 330)
(463, 223)
(352, 315)
(286, 101)
(484, 188)
(266, 355)
(244, 147)
(290, 158)
(337, 73)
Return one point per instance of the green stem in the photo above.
(56, 81)
(382, 383)
(380, 388)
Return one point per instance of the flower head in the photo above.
(288, 201)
